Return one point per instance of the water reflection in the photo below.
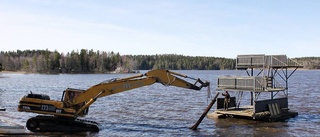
(241, 127)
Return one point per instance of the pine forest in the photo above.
(90, 61)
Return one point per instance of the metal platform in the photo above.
(248, 83)
(264, 110)
(247, 113)
(265, 61)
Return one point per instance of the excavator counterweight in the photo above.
(62, 116)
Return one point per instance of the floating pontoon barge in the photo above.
(266, 84)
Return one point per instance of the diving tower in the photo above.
(266, 83)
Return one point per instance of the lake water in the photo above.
(158, 110)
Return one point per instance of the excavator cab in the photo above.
(69, 94)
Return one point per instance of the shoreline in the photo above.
(13, 72)
(24, 72)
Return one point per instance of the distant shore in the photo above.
(24, 72)
(13, 72)
(10, 72)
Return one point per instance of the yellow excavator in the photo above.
(61, 116)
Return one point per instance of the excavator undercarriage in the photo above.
(43, 123)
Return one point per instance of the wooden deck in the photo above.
(246, 111)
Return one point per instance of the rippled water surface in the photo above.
(159, 110)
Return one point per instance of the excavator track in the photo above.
(43, 123)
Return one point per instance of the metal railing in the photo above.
(262, 60)
(249, 83)
(245, 83)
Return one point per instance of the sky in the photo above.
(215, 28)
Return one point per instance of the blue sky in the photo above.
(219, 28)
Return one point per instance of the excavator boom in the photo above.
(75, 102)
(114, 86)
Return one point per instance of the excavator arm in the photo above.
(167, 77)
(114, 86)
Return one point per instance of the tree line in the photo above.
(90, 61)
(309, 62)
